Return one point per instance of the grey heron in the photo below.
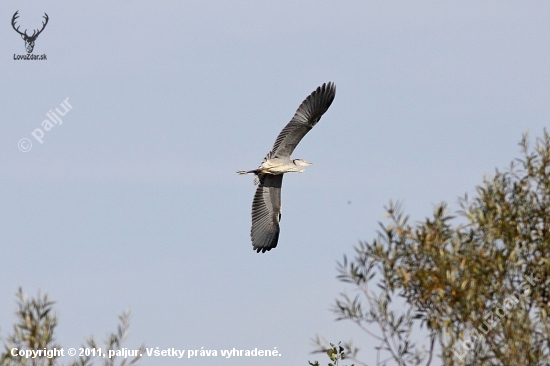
(266, 206)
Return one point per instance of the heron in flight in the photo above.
(266, 206)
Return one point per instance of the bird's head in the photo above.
(301, 162)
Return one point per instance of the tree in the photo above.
(35, 330)
(476, 283)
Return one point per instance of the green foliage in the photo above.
(35, 330)
(335, 353)
(477, 281)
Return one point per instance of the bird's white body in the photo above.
(281, 165)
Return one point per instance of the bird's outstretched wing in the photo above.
(266, 213)
(307, 115)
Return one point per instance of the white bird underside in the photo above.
(281, 166)
(266, 206)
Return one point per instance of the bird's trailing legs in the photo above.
(245, 172)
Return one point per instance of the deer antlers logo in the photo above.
(29, 40)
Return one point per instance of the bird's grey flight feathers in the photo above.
(307, 116)
(266, 213)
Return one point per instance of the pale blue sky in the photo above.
(134, 202)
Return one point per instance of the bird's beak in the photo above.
(307, 163)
